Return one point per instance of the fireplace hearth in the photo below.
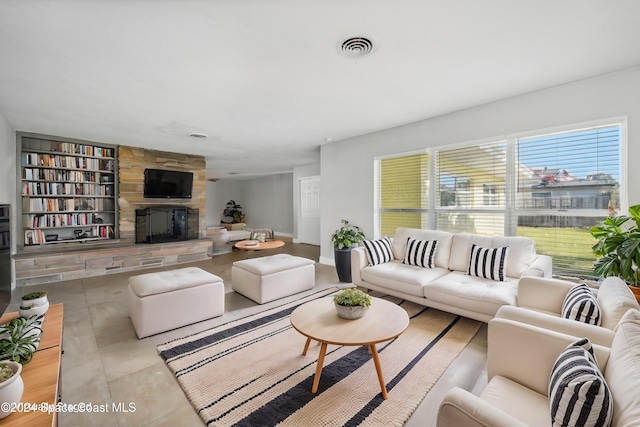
(165, 224)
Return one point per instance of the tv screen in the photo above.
(167, 184)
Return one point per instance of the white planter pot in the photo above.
(11, 390)
(351, 312)
(37, 302)
(39, 310)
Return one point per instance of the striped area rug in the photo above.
(251, 372)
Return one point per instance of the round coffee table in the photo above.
(273, 244)
(318, 320)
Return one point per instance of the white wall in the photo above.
(349, 195)
(266, 201)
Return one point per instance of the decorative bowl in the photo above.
(351, 311)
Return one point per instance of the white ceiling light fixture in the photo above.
(356, 46)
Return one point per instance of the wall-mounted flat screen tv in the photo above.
(167, 184)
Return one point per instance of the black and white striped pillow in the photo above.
(578, 393)
(488, 263)
(378, 251)
(420, 252)
(580, 304)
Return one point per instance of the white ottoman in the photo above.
(159, 302)
(271, 277)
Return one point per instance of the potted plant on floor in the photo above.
(351, 303)
(618, 245)
(344, 239)
(234, 210)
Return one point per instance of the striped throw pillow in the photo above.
(488, 263)
(578, 393)
(378, 251)
(580, 304)
(420, 252)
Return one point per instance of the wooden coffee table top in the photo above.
(273, 244)
(319, 321)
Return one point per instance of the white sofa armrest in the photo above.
(525, 354)
(358, 262)
(463, 409)
(542, 266)
(596, 334)
(544, 294)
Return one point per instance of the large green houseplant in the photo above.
(344, 239)
(618, 245)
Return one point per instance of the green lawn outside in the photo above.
(569, 247)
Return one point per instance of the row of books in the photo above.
(66, 175)
(87, 150)
(41, 204)
(60, 220)
(58, 161)
(64, 189)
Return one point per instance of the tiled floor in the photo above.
(104, 361)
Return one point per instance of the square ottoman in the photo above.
(271, 277)
(159, 302)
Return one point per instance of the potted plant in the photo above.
(19, 339)
(11, 385)
(618, 245)
(344, 239)
(351, 303)
(33, 304)
(234, 210)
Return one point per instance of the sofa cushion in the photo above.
(420, 252)
(488, 263)
(441, 257)
(615, 299)
(408, 279)
(472, 293)
(508, 396)
(578, 393)
(623, 370)
(378, 251)
(580, 304)
(521, 251)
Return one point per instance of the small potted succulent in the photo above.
(351, 303)
(33, 304)
(11, 385)
(19, 339)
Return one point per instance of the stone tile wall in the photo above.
(34, 268)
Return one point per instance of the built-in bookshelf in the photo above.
(68, 191)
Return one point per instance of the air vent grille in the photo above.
(356, 46)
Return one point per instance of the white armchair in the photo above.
(520, 359)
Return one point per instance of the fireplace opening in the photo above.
(163, 224)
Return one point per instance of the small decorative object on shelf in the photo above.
(351, 303)
(33, 304)
(11, 385)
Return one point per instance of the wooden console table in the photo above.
(42, 375)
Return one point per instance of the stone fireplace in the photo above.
(165, 224)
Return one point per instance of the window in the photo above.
(463, 176)
(403, 191)
(566, 182)
(552, 188)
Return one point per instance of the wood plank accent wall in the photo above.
(132, 163)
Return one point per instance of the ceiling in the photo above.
(264, 79)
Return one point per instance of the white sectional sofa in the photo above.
(447, 286)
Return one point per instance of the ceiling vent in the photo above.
(356, 46)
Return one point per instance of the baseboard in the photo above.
(284, 235)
